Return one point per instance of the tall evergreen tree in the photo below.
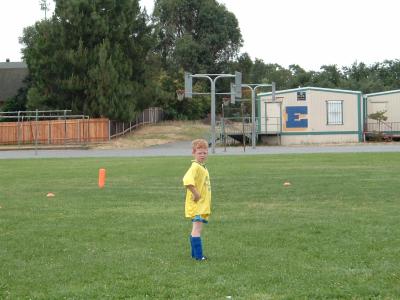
(90, 57)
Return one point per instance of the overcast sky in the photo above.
(309, 33)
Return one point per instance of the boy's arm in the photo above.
(196, 194)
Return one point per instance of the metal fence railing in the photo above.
(383, 127)
(148, 116)
(234, 130)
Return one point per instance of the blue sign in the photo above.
(296, 117)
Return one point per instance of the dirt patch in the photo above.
(158, 134)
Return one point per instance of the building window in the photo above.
(334, 110)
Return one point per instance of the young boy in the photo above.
(198, 195)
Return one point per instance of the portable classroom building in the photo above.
(310, 115)
(389, 102)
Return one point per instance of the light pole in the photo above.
(45, 7)
(213, 78)
(253, 87)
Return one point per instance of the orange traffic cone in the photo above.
(102, 178)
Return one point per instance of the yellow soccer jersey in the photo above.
(198, 176)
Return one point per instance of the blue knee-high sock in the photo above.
(197, 247)
(191, 246)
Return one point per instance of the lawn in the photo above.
(332, 234)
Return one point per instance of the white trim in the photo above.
(310, 88)
(382, 93)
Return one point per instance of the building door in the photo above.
(272, 123)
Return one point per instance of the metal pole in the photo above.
(253, 118)
(88, 130)
(273, 91)
(212, 100)
(213, 115)
(253, 87)
(22, 129)
(49, 133)
(36, 133)
(19, 131)
(78, 131)
(243, 133)
(223, 127)
(65, 127)
(109, 130)
(83, 130)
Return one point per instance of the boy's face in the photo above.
(200, 154)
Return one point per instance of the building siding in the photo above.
(386, 101)
(11, 79)
(308, 109)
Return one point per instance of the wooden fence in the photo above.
(54, 132)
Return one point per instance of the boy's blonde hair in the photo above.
(199, 144)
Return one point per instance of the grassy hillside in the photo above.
(160, 133)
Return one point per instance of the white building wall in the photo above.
(389, 102)
(319, 139)
(317, 130)
(318, 111)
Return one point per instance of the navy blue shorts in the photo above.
(199, 218)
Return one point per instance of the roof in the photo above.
(382, 93)
(302, 89)
(13, 65)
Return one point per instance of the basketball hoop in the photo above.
(226, 100)
(180, 94)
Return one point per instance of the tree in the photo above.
(196, 35)
(389, 73)
(90, 56)
(199, 36)
(299, 77)
(380, 117)
(245, 65)
(18, 102)
(363, 78)
(330, 77)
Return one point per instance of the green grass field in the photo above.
(333, 234)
